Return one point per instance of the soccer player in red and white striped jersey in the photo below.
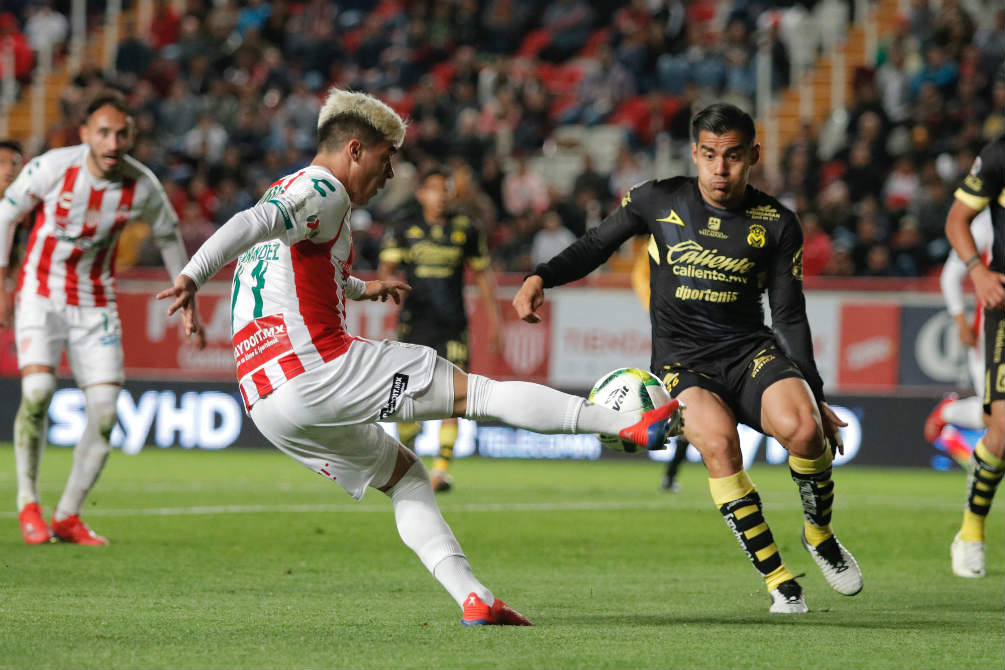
(80, 198)
(315, 391)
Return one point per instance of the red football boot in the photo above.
(651, 431)
(33, 527)
(935, 423)
(477, 613)
(72, 529)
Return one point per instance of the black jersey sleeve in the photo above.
(788, 303)
(587, 253)
(986, 179)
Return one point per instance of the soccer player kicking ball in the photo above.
(715, 244)
(983, 187)
(315, 391)
(82, 197)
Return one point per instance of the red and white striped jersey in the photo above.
(289, 291)
(78, 218)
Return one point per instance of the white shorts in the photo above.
(92, 337)
(325, 418)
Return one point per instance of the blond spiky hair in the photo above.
(353, 108)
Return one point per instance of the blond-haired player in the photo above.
(315, 391)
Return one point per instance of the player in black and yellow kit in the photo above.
(715, 245)
(983, 187)
(433, 246)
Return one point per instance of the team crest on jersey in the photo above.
(757, 236)
(797, 264)
(414, 233)
(626, 199)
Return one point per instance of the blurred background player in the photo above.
(983, 187)
(965, 412)
(10, 163)
(640, 284)
(715, 244)
(315, 391)
(82, 197)
(432, 246)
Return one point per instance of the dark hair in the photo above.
(435, 170)
(109, 97)
(720, 118)
(11, 145)
(340, 128)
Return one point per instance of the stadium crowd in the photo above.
(227, 95)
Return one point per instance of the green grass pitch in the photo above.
(243, 559)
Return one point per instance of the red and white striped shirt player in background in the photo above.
(81, 198)
(316, 391)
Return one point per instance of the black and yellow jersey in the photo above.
(984, 187)
(708, 269)
(432, 257)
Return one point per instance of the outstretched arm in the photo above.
(989, 286)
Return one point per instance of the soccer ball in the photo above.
(627, 390)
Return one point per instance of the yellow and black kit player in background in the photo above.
(983, 187)
(432, 246)
(715, 245)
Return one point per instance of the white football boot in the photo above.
(838, 565)
(787, 598)
(968, 558)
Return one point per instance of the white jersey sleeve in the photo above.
(312, 208)
(243, 231)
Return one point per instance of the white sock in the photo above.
(966, 412)
(29, 433)
(424, 531)
(92, 450)
(542, 409)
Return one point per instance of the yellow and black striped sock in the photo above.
(740, 506)
(816, 490)
(448, 435)
(986, 472)
(407, 433)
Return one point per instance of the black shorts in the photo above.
(449, 344)
(994, 357)
(740, 379)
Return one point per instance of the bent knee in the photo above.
(797, 431)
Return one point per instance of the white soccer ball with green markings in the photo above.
(627, 390)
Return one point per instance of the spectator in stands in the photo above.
(597, 183)
(864, 176)
(206, 141)
(938, 70)
(910, 258)
(551, 239)
(901, 186)
(523, 191)
(604, 86)
(134, 53)
(12, 38)
(45, 28)
(892, 81)
(817, 246)
(569, 22)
